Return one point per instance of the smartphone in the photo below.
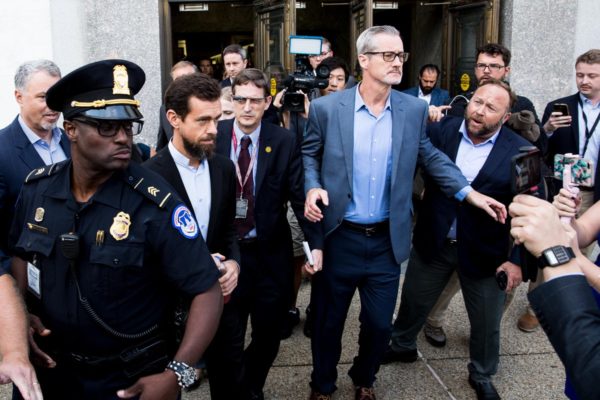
(582, 170)
(561, 108)
(502, 280)
(526, 171)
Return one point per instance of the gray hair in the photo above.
(29, 68)
(364, 43)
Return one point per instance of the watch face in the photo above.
(188, 376)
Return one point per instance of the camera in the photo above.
(526, 171)
(303, 79)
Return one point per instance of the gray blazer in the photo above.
(328, 156)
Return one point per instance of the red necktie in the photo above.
(245, 225)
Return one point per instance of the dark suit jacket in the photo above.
(165, 130)
(279, 179)
(483, 244)
(570, 317)
(18, 158)
(566, 140)
(438, 96)
(221, 236)
(225, 83)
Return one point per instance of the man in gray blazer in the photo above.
(360, 153)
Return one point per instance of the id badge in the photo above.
(241, 208)
(33, 280)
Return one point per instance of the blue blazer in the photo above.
(18, 158)
(438, 96)
(570, 317)
(483, 244)
(328, 149)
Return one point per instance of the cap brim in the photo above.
(116, 112)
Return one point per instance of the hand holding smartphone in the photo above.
(308, 253)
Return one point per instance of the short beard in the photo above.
(486, 130)
(48, 126)
(198, 151)
(426, 91)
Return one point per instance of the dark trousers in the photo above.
(484, 301)
(264, 289)
(224, 356)
(352, 261)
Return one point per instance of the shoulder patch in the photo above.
(44, 172)
(150, 186)
(183, 220)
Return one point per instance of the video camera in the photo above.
(526, 179)
(303, 79)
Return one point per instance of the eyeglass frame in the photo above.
(491, 67)
(255, 101)
(402, 55)
(96, 124)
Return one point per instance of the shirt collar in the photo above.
(491, 140)
(588, 102)
(181, 159)
(33, 137)
(239, 134)
(360, 103)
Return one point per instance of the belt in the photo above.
(247, 241)
(367, 229)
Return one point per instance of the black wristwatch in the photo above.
(555, 256)
(186, 375)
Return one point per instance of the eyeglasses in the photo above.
(390, 56)
(255, 101)
(111, 128)
(323, 54)
(495, 67)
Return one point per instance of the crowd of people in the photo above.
(139, 270)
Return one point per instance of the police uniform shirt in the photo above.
(134, 251)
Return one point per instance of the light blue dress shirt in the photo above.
(470, 159)
(50, 153)
(372, 164)
(235, 152)
(196, 181)
(591, 113)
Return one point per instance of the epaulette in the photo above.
(44, 172)
(151, 186)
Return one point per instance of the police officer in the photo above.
(110, 247)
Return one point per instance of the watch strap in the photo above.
(555, 256)
(186, 375)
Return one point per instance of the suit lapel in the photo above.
(25, 149)
(166, 164)
(496, 157)
(346, 126)
(398, 119)
(574, 110)
(263, 158)
(215, 198)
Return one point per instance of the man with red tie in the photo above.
(269, 173)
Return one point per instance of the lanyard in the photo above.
(237, 166)
(588, 132)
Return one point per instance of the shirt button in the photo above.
(372, 197)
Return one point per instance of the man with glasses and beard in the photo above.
(450, 237)
(360, 149)
(206, 182)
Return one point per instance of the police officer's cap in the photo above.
(100, 90)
